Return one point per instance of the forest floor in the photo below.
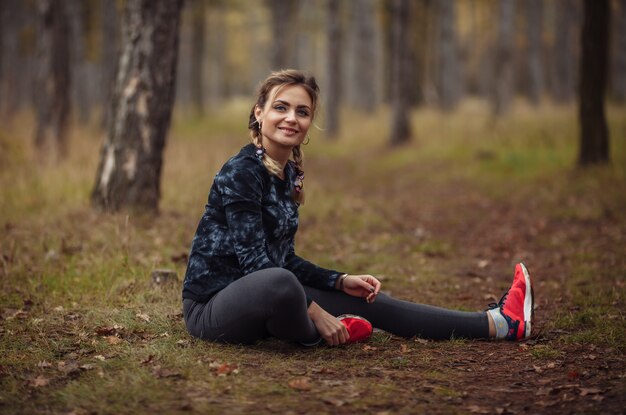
(441, 221)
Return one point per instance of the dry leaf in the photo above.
(39, 381)
(404, 348)
(44, 364)
(105, 331)
(143, 317)
(301, 384)
(113, 340)
(333, 401)
(590, 391)
(100, 357)
(368, 348)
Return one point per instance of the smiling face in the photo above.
(286, 118)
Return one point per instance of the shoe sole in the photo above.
(529, 302)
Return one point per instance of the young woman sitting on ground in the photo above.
(245, 282)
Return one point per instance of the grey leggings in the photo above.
(272, 302)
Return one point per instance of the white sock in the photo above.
(502, 327)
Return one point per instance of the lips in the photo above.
(288, 131)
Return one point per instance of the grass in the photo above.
(441, 220)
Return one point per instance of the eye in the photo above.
(303, 113)
(280, 107)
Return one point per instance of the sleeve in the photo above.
(309, 273)
(241, 188)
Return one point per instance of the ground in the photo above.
(441, 220)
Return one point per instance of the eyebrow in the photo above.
(288, 104)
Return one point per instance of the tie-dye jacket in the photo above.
(249, 224)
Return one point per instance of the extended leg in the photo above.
(404, 318)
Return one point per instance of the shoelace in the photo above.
(499, 304)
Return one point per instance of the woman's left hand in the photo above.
(365, 286)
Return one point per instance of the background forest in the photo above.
(454, 139)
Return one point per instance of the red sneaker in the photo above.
(359, 328)
(516, 305)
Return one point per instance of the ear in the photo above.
(258, 112)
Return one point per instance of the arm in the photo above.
(241, 188)
(309, 273)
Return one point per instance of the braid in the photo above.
(298, 194)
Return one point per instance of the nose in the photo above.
(290, 116)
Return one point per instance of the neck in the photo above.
(278, 153)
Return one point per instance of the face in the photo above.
(286, 117)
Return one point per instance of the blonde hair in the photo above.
(285, 77)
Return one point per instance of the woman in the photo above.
(244, 281)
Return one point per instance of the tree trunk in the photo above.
(109, 56)
(534, 35)
(76, 14)
(503, 82)
(129, 172)
(449, 76)
(52, 99)
(400, 70)
(619, 54)
(594, 137)
(565, 71)
(333, 72)
(283, 14)
(198, 25)
(361, 80)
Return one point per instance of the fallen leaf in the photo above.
(105, 330)
(148, 360)
(100, 357)
(143, 317)
(39, 381)
(113, 340)
(301, 384)
(183, 343)
(86, 366)
(333, 401)
(590, 391)
(368, 348)
(44, 364)
(226, 369)
(404, 348)
(159, 373)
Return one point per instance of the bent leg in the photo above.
(404, 318)
(270, 302)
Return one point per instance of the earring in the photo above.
(308, 139)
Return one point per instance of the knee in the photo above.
(282, 285)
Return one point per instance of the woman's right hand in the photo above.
(328, 326)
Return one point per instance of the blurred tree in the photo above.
(76, 13)
(52, 99)
(503, 76)
(198, 33)
(565, 70)
(619, 53)
(333, 71)
(400, 72)
(534, 38)
(108, 56)
(218, 40)
(360, 76)
(283, 20)
(449, 63)
(594, 134)
(129, 171)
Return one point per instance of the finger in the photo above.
(344, 336)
